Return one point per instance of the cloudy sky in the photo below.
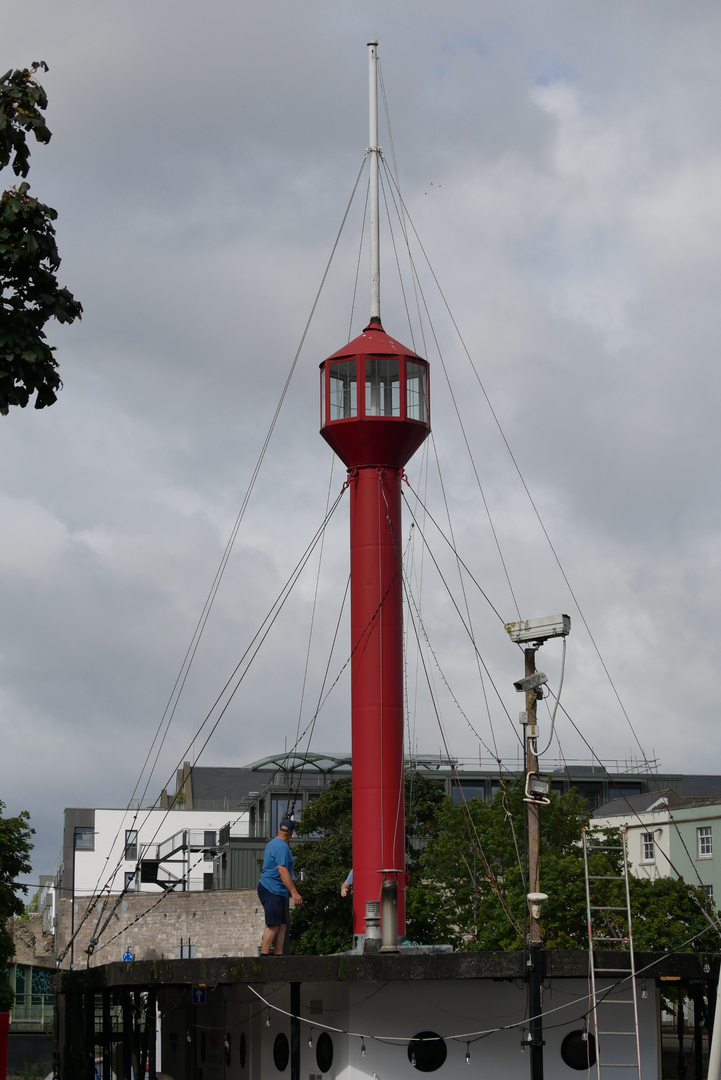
(561, 162)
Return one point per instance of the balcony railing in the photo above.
(32, 1012)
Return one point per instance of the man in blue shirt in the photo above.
(275, 885)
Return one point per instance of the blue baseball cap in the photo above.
(287, 823)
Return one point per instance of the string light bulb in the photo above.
(267, 1019)
(413, 1058)
(468, 1053)
(310, 1037)
(363, 1048)
(644, 991)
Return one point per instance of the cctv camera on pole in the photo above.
(532, 633)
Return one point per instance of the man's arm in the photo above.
(290, 885)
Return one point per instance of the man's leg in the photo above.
(270, 934)
(279, 939)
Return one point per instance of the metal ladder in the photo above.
(610, 1006)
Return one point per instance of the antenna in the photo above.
(374, 151)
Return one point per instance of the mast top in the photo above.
(373, 202)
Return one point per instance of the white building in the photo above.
(104, 849)
(668, 836)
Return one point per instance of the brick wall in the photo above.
(218, 923)
(32, 946)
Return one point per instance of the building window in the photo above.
(705, 844)
(708, 889)
(207, 881)
(208, 842)
(470, 789)
(131, 844)
(84, 839)
(648, 847)
(130, 881)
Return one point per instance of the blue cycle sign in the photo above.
(128, 956)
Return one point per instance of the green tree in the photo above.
(29, 291)
(467, 877)
(15, 848)
(471, 890)
(324, 924)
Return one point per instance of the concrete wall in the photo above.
(224, 923)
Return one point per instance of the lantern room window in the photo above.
(383, 387)
(343, 390)
(416, 392)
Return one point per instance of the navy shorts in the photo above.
(274, 905)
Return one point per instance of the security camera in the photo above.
(531, 682)
(550, 626)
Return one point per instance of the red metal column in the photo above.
(377, 687)
(4, 1029)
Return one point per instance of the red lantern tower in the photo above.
(375, 414)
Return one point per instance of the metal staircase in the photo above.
(615, 1019)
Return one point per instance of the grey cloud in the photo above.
(201, 162)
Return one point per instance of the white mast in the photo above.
(374, 151)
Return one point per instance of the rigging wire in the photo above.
(401, 215)
(453, 601)
(401, 209)
(470, 824)
(255, 643)
(266, 442)
(290, 806)
(555, 707)
(465, 597)
(360, 252)
(315, 602)
(403, 1040)
(395, 252)
(189, 657)
(459, 418)
(523, 482)
(453, 548)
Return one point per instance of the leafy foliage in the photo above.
(30, 296)
(477, 858)
(22, 101)
(460, 861)
(324, 924)
(29, 292)
(456, 901)
(15, 848)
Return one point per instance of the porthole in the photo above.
(241, 1048)
(324, 1052)
(427, 1051)
(281, 1052)
(578, 1050)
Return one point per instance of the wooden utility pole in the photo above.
(535, 981)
